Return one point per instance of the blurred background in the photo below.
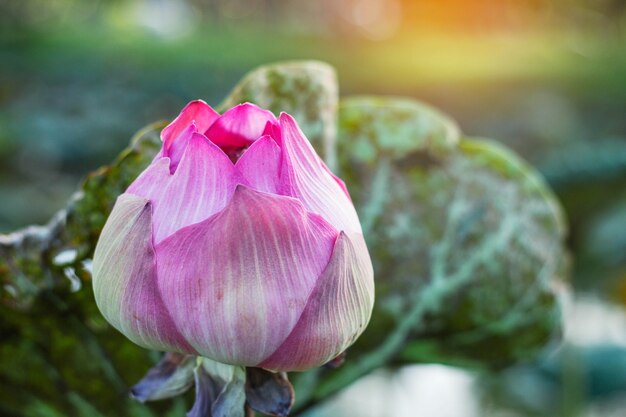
(545, 77)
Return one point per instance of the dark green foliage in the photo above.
(29, 258)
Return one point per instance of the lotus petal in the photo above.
(196, 112)
(176, 149)
(336, 313)
(240, 126)
(259, 165)
(124, 278)
(246, 276)
(220, 390)
(201, 186)
(172, 376)
(305, 177)
(269, 393)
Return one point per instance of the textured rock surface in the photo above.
(462, 229)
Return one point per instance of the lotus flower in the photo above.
(238, 244)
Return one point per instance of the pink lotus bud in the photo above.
(238, 244)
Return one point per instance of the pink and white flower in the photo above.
(237, 243)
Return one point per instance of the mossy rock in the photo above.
(460, 229)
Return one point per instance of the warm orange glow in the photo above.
(472, 16)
